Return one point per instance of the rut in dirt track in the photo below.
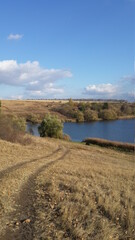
(26, 210)
(17, 166)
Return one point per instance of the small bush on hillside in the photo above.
(51, 126)
(12, 129)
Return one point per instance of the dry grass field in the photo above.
(30, 109)
(52, 189)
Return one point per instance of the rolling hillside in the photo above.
(51, 189)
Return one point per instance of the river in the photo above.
(118, 130)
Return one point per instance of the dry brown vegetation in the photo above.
(31, 110)
(127, 147)
(53, 189)
(12, 129)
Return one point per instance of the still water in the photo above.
(118, 130)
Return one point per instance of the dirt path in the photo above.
(17, 166)
(17, 194)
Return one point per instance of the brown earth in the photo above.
(53, 189)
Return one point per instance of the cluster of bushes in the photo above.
(105, 143)
(86, 111)
(12, 129)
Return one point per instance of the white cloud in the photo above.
(124, 89)
(35, 80)
(52, 91)
(14, 36)
(101, 89)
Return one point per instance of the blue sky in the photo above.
(62, 49)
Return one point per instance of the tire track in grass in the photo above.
(13, 179)
(22, 164)
(24, 217)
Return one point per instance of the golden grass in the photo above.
(68, 190)
(90, 196)
(30, 109)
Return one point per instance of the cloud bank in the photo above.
(123, 90)
(35, 80)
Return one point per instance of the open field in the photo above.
(51, 189)
(30, 109)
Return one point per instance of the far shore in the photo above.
(35, 110)
(74, 121)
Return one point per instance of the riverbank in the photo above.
(99, 119)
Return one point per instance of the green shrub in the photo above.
(126, 109)
(105, 105)
(72, 109)
(51, 126)
(108, 114)
(67, 110)
(96, 106)
(79, 117)
(82, 106)
(90, 115)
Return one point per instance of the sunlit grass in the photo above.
(87, 196)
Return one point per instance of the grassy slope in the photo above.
(29, 108)
(52, 189)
